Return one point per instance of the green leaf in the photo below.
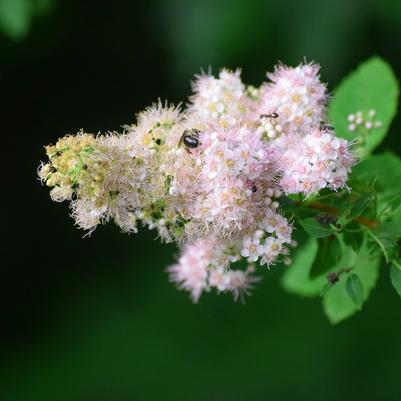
(327, 257)
(296, 277)
(393, 228)
(357, 183)
(355, 289)
(337, 303)
(396, 216)
(385, 170)
(15, 17)
(326, 288)
(316, 229)
(360, 205)
(391, 206)
(355, 237)
(372, 86)
(384, 240)
(395, 276)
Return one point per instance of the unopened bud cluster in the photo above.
(364, 121)
(209, 177)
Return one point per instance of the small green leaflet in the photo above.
(328, 255)
(337, 303)
(395, 276)
(384, 240)
(391, 206)
(355, 289)
(354, 238)
(316, 229)
(360, 205)
(296, 277)
(334, 255)
(385, 170)
(372, 86)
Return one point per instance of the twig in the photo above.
(333, 210)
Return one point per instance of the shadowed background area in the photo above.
(95, 318)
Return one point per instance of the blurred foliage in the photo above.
(328, 32)
(16, 15)
(372, 86)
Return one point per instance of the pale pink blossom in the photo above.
(211, 177)
(296, 95)
(191, 271)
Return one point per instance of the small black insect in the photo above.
(190, 139)
(332, 278)
(272, 115)
(326, 219)
(325, 127)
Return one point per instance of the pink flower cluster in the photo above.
(296, 95)
(312, 161)
(193, 272)
(211, 177)
(222, 100)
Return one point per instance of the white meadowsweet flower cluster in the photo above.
(322, 160)
(221, 99)
(210, 178)
(193, 272)
(296, 95)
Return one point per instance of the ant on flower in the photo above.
(271, 115)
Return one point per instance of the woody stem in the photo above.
(334, 211)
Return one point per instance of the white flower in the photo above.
(251, 248)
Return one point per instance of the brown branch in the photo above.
(333, 210)
(366, 222)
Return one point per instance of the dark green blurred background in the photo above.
(96, 319)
